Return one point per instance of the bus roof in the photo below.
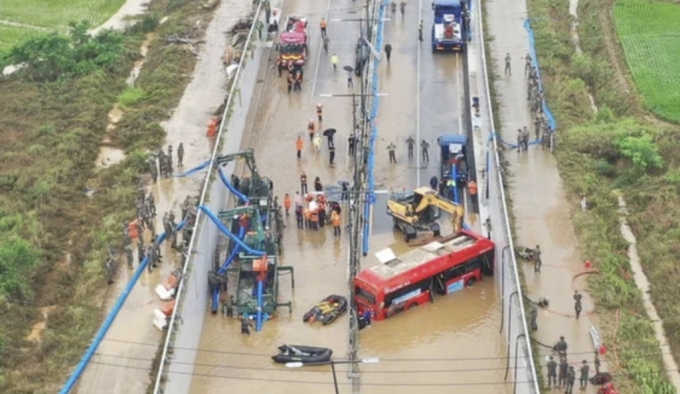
(447, 3)
(417, 262)
(448, 139)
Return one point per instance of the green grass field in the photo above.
(650, 35)
(49, 14)
(10, 35)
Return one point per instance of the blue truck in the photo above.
(450, 31)
(453, 150)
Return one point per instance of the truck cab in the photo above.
(449, 30)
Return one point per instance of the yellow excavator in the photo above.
(419, 210)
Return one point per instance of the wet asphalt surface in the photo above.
(451, 343)
(542, 211)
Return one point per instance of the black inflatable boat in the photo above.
(327, 310)
(305, 354)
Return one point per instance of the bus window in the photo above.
(368, 297)
(410, 289)
(487, 263)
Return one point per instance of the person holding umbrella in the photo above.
(328, 133)
(350, 81)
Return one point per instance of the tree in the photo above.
(641, 150)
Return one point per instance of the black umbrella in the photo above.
(329, 132)
(348, 68)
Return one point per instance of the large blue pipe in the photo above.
(231, 187)
(228, 233)
(454, 177)
(99, 337)
(374, 130)
(223, 269)
(260, 291)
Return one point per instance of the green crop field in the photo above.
(650, 35)
(21, 19)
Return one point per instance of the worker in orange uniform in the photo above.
(319, 112)
(472, 188)
(311, 128)
(323, 25)
(335, 219)
(286, 203)
(308, 217)
(314, 217)
(299, 144)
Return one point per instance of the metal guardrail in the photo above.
(512, 321)
(200, 217)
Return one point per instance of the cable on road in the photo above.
(269, 380)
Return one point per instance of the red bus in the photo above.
(443, 267)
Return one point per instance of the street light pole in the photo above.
(299, 364)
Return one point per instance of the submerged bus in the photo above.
(443, 266)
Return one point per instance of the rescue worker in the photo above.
(351, 143)
(151, 254)
(527, 64)
(230, 306)
(127, 240)
(317, 143)
(279, 66)
(299, 145)
(410, 143)
(420, 30)
(577, 303)
(597, 363)
(319, 112)
(245, 326)
(472, 188)
(151, 204)
(583, 378)
(314, 219)
(537, 259)
(390, 149)
(129, 255)
(520, 141)
(388, 51)
(335, 220)
(169, 159)
(571, 378)
(562, 373)
(180, 155)
(487, 225)
(299, 217)
(297, 199)
(424, 146)
(393, 8)
(153, 169)
(331, 153)
(140, 250)
(298, 81)
(402, 8)
(286, 203)
(508, 60)
(303, 183)
(345, 191)
(334, 61)
(323, 25)
(318, 186)
(290, 81)
(534, 316)
(187, 204)
(434, 182)
(350, 82)
(561, 348)
(552, 373)
(311, 129)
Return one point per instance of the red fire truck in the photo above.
(444, 266)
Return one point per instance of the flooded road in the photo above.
(451, 343)
(121, 362)
(542, 211)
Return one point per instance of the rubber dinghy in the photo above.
(305, 354)
(327, 310)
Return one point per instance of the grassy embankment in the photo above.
(53, 238)
(24, 19)
(621, 149)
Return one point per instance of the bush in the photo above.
(130, 97)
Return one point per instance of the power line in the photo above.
(173, 362)
(269, 380)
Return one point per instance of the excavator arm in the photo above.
(247, 155)
(431, 198)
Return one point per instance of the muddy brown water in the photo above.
(451, 344)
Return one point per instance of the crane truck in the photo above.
(419, 211)
(450, 30)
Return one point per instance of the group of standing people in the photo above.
(314, 210)
(160, 163)
(410, 146)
